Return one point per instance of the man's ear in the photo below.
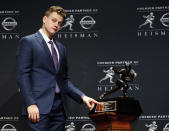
(44, 19)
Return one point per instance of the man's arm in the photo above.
(24, 63)
(24, 67)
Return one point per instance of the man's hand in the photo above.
(33, 113)
(89, 102)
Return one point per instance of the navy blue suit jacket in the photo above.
(37, 76)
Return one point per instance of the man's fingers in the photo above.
(29, 116)
(33, 113)
(95, 101)
(92, 106)
(90, 102)
(34, 117)
(99, 103)
(38, 117)
(88, 105)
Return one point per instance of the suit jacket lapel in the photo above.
(47, 51)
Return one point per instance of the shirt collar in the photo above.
(45, 37)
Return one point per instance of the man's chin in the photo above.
(53, 33)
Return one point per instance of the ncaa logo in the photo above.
(9, 23)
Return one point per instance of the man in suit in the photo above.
(43, 78)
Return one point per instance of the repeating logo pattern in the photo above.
(153, 21)
(9, 25)
(80, 23)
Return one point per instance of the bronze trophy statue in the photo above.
(117, 113)
(126, 75)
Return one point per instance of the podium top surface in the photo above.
(118, 105)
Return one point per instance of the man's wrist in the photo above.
(82, 96)
(31, 105)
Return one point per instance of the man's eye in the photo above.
(60, 23)
(53, 20)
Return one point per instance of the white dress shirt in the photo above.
(45, 37)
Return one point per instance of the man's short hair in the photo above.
(59, 10)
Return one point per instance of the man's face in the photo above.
(52, 22)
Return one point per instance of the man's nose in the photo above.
(56, 24)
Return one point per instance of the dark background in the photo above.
(117, 25)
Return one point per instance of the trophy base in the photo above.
(116, 114)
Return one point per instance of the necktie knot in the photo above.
(50, 42)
